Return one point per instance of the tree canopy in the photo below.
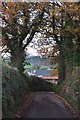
(19, 26)
(56, 21)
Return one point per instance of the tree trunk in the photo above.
(17, 60)
(62, 67)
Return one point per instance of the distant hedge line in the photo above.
(38, 84)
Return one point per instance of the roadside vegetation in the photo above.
(39, 84)
(70, 88)
(15, 86)
(59, 26)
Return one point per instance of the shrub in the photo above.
(14, 86)
(70, 89)
(38, 84)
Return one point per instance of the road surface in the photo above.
(47, 105)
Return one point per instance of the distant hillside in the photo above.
(37, 60)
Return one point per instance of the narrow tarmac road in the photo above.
(47, 105)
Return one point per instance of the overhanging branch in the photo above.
(29, 39)
(35, 25)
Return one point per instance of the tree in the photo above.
(63, 26)
(19, 27)
(66, 42)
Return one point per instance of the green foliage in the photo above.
(14, 86)
(70, 89)
(75, 57)
(55, 88)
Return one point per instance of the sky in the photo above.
(33, 46)
(32, 51)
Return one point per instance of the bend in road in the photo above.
(47, 105)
